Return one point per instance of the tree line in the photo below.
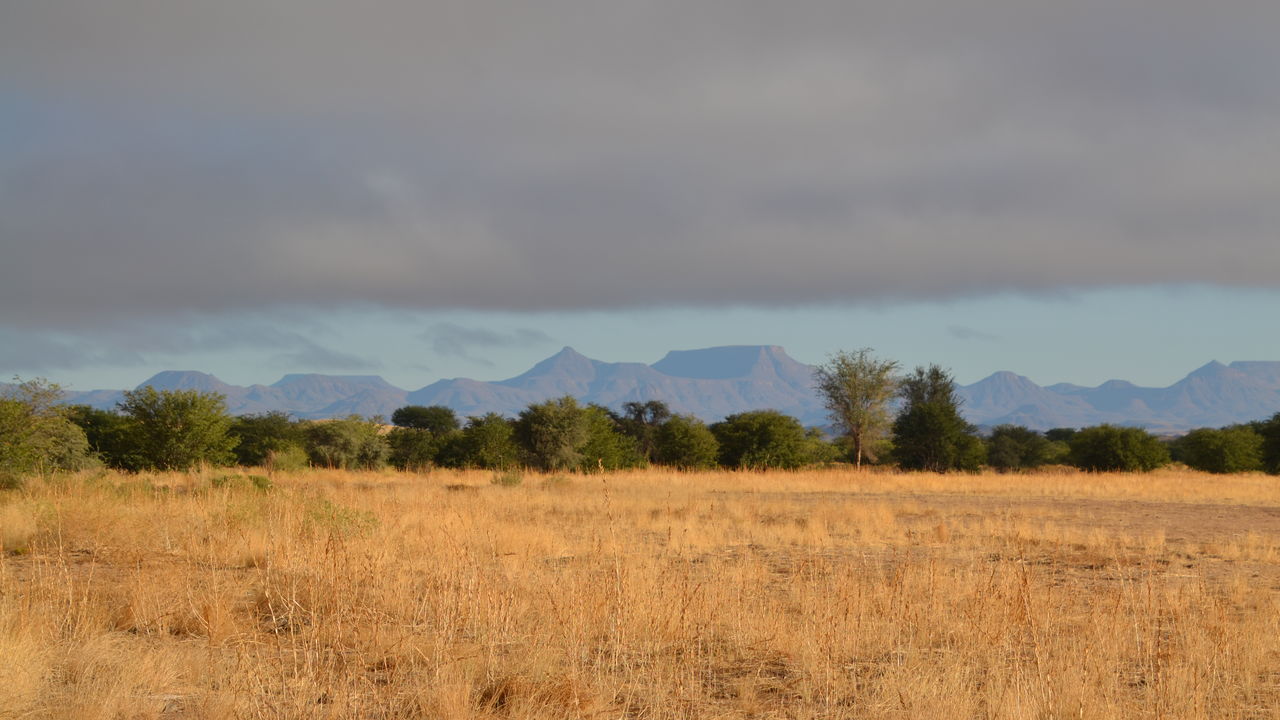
(878, 415)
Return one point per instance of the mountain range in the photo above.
(714, 382)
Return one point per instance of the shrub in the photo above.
(1108, 447)
(1229, 450)
(760, 439)
(347, 444)
(686, 442)
(552, 434)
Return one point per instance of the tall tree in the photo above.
(856, 388)
(929, 433)
(177, 429)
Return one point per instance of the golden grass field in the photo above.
(650, 594)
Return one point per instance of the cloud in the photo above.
(961, 332)
(453, 340)
(233, 156)
(136, 344)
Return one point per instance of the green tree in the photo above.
(1270, 432)
(35, 432)
(641, 421)
(685, 442)
(929, 432)
(607, 447)
(1229, 450)
(262, 439)
(856, 388)
(111, 436)
(486, 442)
(436, 419)
(179, 429)
(761, 439)
(414, 448)
(350, 443)
(1112, 448)
(1013, 447)
(552, 434)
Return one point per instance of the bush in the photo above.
(1111, 448)
(486, 443)
(36, 434)
(414, 449)
(761, 439)
(552, 434)
(347, 444)
(1013, 447)
(261, 438)
(607, 448)
(1229, 450)
(178, 429)
(686, 442)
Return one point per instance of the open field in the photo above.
(821, 594)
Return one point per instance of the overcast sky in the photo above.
(426, 188)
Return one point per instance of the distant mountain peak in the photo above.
(719, 363)
(1210, 369)
(184, 380)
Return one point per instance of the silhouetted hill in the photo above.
(714, 382)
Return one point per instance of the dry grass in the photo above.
(643, 595)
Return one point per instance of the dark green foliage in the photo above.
(486, 442)
(607, 447)
(761, 439)
(641, 421)
(552, 434)
(413, 449)
(1013, 447)
(350, 443)
(178, 429)
(929, 433)
(1062, 435)
(261, 439)
(1229, 450)
(856, 389)
(36, 434)
(435, 419)
(687, 443)
(1270, 432)
(1108, 448)
(110, 435)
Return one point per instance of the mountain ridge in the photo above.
(714, 382)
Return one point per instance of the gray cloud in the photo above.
(453, 340)
(962, 332)
(162, 157)
(136, 344)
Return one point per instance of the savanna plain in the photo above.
(647, 594)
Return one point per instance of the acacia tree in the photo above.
(856, 388)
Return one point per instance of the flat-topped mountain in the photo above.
(714, 382)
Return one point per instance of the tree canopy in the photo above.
(856, 388)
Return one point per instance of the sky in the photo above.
(1073, 191)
